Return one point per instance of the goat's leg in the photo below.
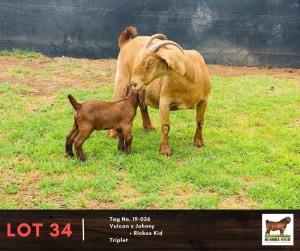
(128, 140)
(112, 133)
(146, 119)
(200, 110)
(144, 111)
(78, 142)
(164, 111)
(70, 139)
(121, 140)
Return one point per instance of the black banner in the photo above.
(148, 230)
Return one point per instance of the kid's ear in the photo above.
(127, 88)
(174, 59)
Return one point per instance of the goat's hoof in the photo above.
(121, 148)
(149, 128)
(165, 151)
(198, 143)
(71, 155)
(82, 158)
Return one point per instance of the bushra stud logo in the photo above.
(278, 229)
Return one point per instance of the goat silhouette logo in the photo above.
(277, 229)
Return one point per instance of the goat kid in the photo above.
(100, 115)
(280, 225)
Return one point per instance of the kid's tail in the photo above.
(73, 102)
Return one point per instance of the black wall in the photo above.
(231, 32)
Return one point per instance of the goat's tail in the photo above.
(129, 33)
(73, 102)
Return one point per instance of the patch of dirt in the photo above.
(28, 193)
(26, 183)
(236, 202)
(89, 203)
(94, 205)
(182, 195)
(46, 75)
(127, 193)
(236, 71)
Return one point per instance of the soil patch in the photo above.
(46, 75)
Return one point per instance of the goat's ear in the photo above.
(174, 59)
(127, 88)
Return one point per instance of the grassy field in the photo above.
(251, 158)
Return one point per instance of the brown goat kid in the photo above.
(275, 226)
(100, 115)
(172, 79)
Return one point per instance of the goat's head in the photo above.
(157, 60)
(287, 220)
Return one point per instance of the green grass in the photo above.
(251, 152)
(23, 54)
(277, 235)
(24, 71)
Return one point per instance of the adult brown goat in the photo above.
(280, 225)
(171, 79)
